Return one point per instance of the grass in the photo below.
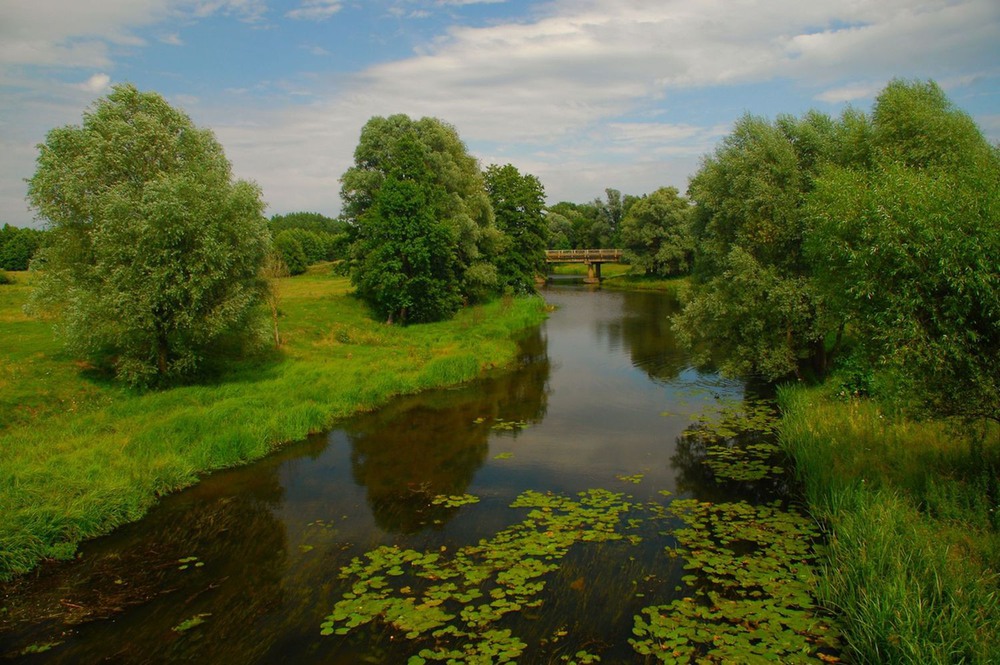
(580, 269)
(80, 455)
(617, 276)
(914, 520)
(676, 285)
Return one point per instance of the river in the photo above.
(246, 567)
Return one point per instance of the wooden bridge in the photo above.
(593, 258)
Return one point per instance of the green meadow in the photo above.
(81, 455)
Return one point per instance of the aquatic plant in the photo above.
(454, 501)
(752, 580)
(190, 623)
(456, 601)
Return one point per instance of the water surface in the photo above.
(602, 395)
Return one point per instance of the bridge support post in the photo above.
(593, 273)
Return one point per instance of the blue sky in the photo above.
(585, 94)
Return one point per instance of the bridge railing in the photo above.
(584, 255)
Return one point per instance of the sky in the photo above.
(584, 94)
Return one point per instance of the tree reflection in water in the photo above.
(420, 448)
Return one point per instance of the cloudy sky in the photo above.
(585, 94)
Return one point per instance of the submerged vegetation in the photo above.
(80, 455)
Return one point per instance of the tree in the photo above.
(310, 221)
(155, 253)
(518, 202)
(322, 238)
(754, 294)
(907, 248)
(18, 246)
(291, 252)
(656, 233)
(405, 266)
(451, 181)
(581, 218)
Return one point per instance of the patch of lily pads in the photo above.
(747, 596)
(449, 606)
(454, 501)
(751, 590)
(501, 425)
(738, 440)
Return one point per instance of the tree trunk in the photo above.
(162, 352)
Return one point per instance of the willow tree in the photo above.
(754, 292)
(155, 251)
(906, 245)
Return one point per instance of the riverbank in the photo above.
(914, 535)
(80, 455)
(617, 276)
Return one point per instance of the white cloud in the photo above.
(96, 84)
(172, 39)
(851, 92)
(581, 93)
(250, 11)
(315, 10)
(550, 94)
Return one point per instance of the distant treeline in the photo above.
(305, 238)
(18, 246)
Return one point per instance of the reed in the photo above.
(912, 563)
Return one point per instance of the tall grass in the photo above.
(80, 455)
(914, 549)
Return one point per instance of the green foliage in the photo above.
(754, 292)
(561, 234)
(5, 278)
(455, 208)
(577, 226)
(517, 202)
(907, 249)
(18, 246)
(403, 258)
(322, 238)
(292, 253)
(656, 234)
(155, 252)
(914, 538)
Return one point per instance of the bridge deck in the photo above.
(583, 255)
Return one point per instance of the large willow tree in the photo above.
(907, 246)
(155, 252)
(754, 292)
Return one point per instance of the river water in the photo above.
(245, 567)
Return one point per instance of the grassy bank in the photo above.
(914, 553)
(617, 276)
(676, 285)
(580, 269)
(80, 455)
